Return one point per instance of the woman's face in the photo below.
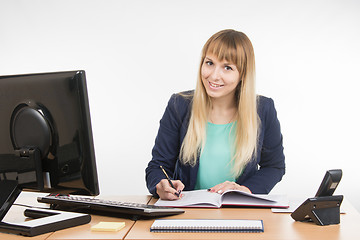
(220, 78)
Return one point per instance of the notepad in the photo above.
(204, 198)
(108, 226)
(207, 225)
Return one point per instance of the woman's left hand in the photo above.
(227, 185)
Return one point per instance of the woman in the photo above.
(222, 135)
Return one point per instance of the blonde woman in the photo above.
(222, 135)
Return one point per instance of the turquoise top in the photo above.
(215, 159)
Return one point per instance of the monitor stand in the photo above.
(44, 220)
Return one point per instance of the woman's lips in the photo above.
(215, 85)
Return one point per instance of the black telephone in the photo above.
(329, 183)
(324, 208)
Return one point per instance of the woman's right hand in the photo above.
(166, 192)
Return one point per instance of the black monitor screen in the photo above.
(45, 133)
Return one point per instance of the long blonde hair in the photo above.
(236, 48)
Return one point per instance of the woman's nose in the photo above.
(215, 74)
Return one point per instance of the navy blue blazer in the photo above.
(260, 175)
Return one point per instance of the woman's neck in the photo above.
(222, 111)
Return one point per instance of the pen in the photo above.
(171, 184)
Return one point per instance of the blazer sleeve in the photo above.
(271, 166)
(167, 143)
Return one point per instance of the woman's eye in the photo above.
(228, 68)
(209, 63)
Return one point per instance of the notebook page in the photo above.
(242, 199)
(198, 198)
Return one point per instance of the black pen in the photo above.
(172, 185)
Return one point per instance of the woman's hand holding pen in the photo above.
(167, 192)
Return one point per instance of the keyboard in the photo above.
(114, 208)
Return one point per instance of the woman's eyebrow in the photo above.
(229, 63)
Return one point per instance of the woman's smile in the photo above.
(215, 85)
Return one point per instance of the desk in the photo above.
(277, 226)
(15, 214)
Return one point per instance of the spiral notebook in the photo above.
(207, 225)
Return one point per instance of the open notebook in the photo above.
(204, 198)
(207, 225)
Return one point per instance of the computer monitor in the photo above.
(46, 140)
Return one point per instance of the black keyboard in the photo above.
(101, 206)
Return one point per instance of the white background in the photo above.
(137, 53)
